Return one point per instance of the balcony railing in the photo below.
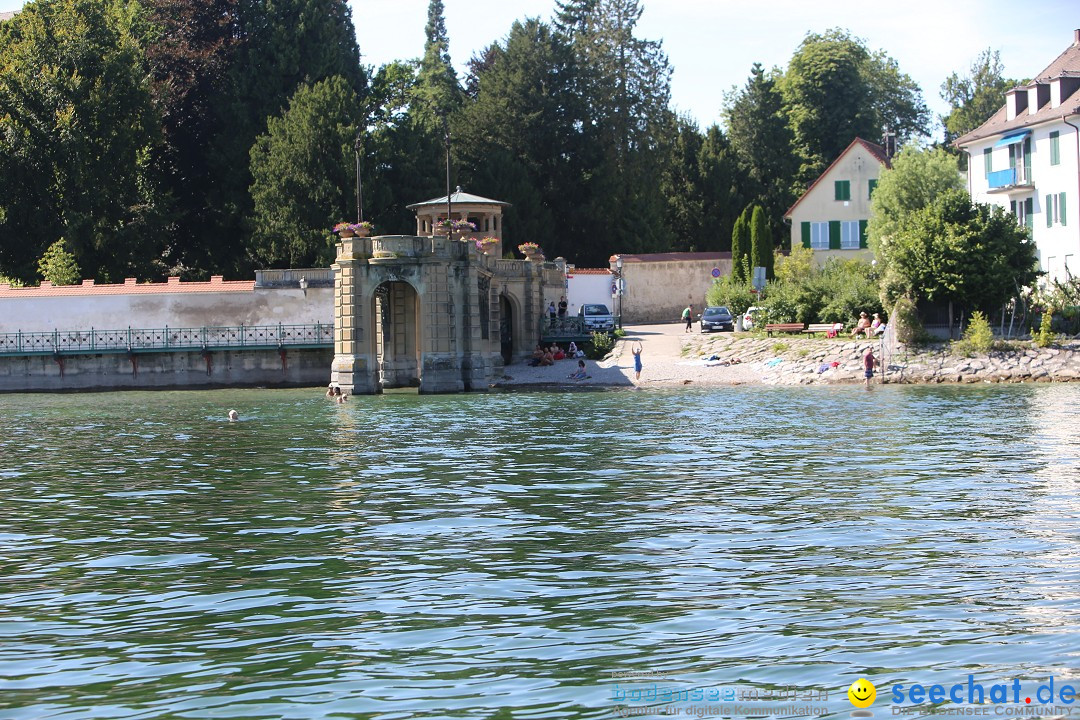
(1000, 180)
(167, 339)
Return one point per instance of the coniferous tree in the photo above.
(721, 182)
(761, 242)
(740, 246)
(437, 91)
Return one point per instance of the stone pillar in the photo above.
(354, 368)
(439, 347)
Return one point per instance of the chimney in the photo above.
(888, 143)
(1076, 37)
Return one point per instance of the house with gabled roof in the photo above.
(1026, 159)
(831, 216)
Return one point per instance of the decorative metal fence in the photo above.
(240, 337)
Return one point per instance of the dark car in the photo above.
(717, 318)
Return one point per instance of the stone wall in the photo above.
(657, 287)
(117, 371)
(154, 305)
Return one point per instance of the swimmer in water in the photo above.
(233, 416)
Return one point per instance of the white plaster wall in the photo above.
(181, 309)
(820, 205)
(589, 289)
(1057, 246)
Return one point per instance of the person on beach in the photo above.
(688, 316)
(869, 361)
(580, 374)
(547, 359)
(557, 352)
(876, 327)
(636, 350)
(862, 326)
(573, 352)
(233, 416)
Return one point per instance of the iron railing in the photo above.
(167, 339)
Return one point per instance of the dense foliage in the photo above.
(216, 136)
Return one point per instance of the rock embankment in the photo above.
(804, 361)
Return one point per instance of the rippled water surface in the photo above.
(501, 556)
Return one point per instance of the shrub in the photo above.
(58, 265)
(601, 345)
(779, 347)
(731, 293)
(1045, 337)
(909, 328)
(619, 333)
(13, 282)
(978, 337)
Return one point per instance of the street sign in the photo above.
(759, 278)
(716, 272)
(614, 289)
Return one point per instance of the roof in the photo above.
(876, 151)
(216, 284)
(590, 271)
(671, 257)
(458, 198)
(1067, 64)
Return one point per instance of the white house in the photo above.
(1026, 159)
(831, 215)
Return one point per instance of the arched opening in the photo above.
(506, 329)
(396, 314)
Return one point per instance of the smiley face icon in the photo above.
(862, 693)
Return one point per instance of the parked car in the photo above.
(596, 317)
(717, 317)
(754, 314)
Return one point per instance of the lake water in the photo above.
(504, 555)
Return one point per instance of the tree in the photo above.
(437, 92)
(975, 97)
(78, 130)
(58, 265)
(835, 90)
(956, 251)
(740, 247)
(762, 139)
(721, 180)
(762, 249)
(303, 175)
(916, 179)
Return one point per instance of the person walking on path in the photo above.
(688, 316)
(636, 349)
(869, 361)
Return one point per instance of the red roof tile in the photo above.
(672, 257)
(216, 284)
(590, 271)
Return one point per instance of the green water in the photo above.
(501, 556)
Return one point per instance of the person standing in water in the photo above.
(233, 416)
(869, 361)
(636, 349)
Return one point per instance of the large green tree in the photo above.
(740, 247)
(761, 136)
(956, 251)
(762, 247)
(975, 97)
(835, 90)
(721, 182)
(78, 130)
(437, 92)
(303, 175)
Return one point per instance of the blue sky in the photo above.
(713, 43)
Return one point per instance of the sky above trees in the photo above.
(712, 45)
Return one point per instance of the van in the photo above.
(596, 317)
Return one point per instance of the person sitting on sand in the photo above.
(876, 327)
(573, 352)
(862, 326)
(537, 356)
(580, 374)
(547, 359)
(558, 354)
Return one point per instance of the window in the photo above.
(1061, 208)
(988, 162)
(843, 189)
(849, 235)
(1055, 149)
(1054, 207)
(819, 235)
(873, 186)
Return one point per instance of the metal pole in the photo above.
(359, 195)
(446, 133)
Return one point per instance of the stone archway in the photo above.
(506, 329)
(395, 310)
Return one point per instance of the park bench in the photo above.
(828, 329)
(784, 328)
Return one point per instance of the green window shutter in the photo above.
(1055, 149)
(834, 234)
(1046, 211)
(873, 186)
(806, 234)
(1029, 218)
(862, 233)
(1012, 156)
(1061, 207)
(1012, 206)
(988, 162)
(842, 189)
(1027, 160)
